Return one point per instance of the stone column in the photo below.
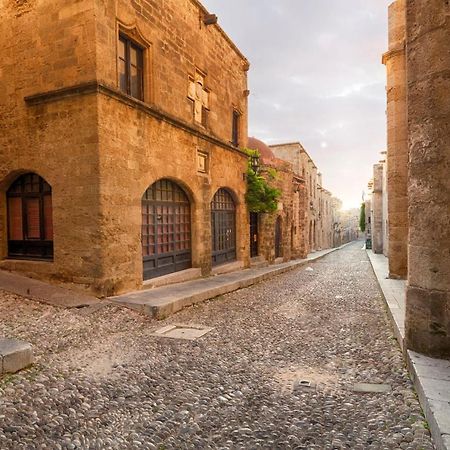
(428, 69)
(397, 141)
(377, 209)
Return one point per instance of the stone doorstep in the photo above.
(227, 268)
(14, 355)
(431, 376)
(162, 302)
(173, 278)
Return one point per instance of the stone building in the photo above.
(397, 141)
(379, 209)
(120, 155)
(279, 236)
(418, 181)
(319, 224)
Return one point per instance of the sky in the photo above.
(316, 77)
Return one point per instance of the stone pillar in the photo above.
(385, 213)
(397, 141)
(377, 209)
(428, 69)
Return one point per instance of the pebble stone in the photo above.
(103, 381)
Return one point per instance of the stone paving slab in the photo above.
(44, 292)
(162, 302)
(431, 376)
(14, 355)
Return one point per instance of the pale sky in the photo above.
(316, 77)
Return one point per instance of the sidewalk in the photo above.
(44, 292)
(165, 301)
(431, 376)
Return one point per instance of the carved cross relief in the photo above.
(199, 95)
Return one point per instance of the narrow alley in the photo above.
(287, 364)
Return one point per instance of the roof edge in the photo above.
(222, 32)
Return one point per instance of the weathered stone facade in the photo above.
(418, 182)
(428, 72)
(377, 217)
(286, 239)
(397, 141)
(65, 118)
(319, 214)
(377, 227)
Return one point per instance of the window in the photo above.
(30, 223)
(131, 68)
(235, 128)
(202, 162)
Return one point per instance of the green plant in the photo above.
(362, 218)
(261, 197)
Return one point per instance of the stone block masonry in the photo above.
(428, 69)
(397, 141)
(68, 117)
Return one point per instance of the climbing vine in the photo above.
(261, 197)
(362, 218)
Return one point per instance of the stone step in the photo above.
(258, 262)
(14, 355)
(173, 278)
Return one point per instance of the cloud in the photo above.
(316, 76)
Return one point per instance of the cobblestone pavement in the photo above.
(102, 380)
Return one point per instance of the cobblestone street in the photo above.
(103, 380)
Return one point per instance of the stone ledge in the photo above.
(95, 87)
(14, 355)
(172, 278)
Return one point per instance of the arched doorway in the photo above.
(223, 227)
(279, 237)
(254, 235)
(30, 218)
(166, 229)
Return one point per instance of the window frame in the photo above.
(236, 127)
(31, 248)
(130, 44)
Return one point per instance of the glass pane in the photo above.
(33, 218)
(122, 76)
(48, 218)
(134, 56)
(15, 219)
(135, 83)
(122, 48)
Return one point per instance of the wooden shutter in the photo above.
(15, 219)
(48, 218)
(32, 208)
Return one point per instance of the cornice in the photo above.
(94, 87)
(393, 52)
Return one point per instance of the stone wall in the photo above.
(176, 44)
(428, 69)
(64, 118)
(46, 46)
(319, 228)
(397, 141)
(377, 209)
(385, 210)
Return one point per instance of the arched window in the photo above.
(30, 222)
(166, 229)
(223, 223)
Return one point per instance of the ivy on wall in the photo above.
(362, 218)
(261, 197)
